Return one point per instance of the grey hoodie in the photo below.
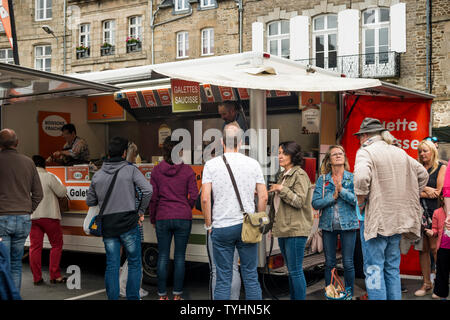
(122, 198)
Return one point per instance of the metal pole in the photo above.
(258, 120)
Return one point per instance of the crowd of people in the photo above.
(390, 201)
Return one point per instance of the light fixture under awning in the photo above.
(21, 84)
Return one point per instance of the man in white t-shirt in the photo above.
(226, 225)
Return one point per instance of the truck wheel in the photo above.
(149, 265)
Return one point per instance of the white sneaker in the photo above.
(143, 293)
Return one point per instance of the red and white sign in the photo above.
(146, 169)
(208, 92)
(226, 93)
(133, 99)
(149, 98)
(77, 174)
(408, 120)
(164, 96)
(50, 135)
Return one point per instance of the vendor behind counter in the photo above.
(75, 151)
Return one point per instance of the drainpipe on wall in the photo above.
(241, 10)
(64, 37)
(429, 86)
(153, 26)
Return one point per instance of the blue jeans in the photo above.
(382, 266)
(235, 281)
(225, 241)
(131, 242)
(180, 230)
(293, 250)
(14, 230)
(348, 240)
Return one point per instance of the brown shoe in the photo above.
(424, 290)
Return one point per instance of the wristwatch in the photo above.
(208, 228)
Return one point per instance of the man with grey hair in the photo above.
(226, 223)
(387, 184)
(20, 194)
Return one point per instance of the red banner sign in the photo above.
(164, 96)
(6, 20)
(149, 98)
(243, 93)
(133, 100)
(226, 93)
(407, 120)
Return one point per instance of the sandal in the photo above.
(62, 280)
(424, 290)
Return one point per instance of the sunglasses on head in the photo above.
(433, 139)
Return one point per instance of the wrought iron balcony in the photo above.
(369, 65)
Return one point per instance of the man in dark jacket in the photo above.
(20, 194)
(120, 220)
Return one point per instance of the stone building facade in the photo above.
(171, 30)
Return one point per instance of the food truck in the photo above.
(309, 105)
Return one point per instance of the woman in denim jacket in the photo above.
(335, 198)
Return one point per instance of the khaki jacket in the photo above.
(53, 189)
(294, 217)
(393, 182)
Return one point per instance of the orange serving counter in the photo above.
(77, 180)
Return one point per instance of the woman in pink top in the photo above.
(442, 232)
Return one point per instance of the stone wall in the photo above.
(225, 21)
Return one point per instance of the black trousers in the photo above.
(441, 286)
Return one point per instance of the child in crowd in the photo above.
(441, 287)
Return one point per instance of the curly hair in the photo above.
(294, 150)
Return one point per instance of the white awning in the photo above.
(255, 70)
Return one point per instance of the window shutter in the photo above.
(258, 36)
(299, 38)
(398, 27)
(348, 32)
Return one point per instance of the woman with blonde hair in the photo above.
(428, 157)
(335, 198)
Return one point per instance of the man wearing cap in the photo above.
(387, 184)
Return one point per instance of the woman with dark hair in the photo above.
(174, 194)
(335, 197)
(291, 214)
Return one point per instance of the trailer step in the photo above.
(309, 261)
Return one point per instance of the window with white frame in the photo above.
(325, 41)
(135, 27)
(85, 37)
(181, 5)
(207, 41)
(376, 35)
(207, 3)
(43, 57)
(6, 56)
(278, 38)
(43, 10)
(182, 44)
(109, 32)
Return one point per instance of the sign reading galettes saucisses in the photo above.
(185, 96)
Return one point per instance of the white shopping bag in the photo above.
(92, 212)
